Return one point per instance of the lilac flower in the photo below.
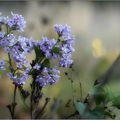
(17, 22)
(2, 65)
(65, 61)
(19, 57)
(67, 48)
(19, 47)
(12, 46)
(36, 66)
(67, 42)
(48, 76)
(11, 40)
(46, 46)
(2, 35)
(19, 78)
(6, 49)
(19, 51)
(3, 20)
(11, 76)
(26, 44)
(19, 65)
(8, 40)
(62, 29)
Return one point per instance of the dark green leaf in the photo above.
(86, 113)
(100, 98)
(46, 63)
(106, 113)
(116, 102)
(99, 94)
(38, 53)
(55, 50)
(98, 112)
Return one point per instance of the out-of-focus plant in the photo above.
(41, 70)
(99, 103)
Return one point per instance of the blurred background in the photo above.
(96, 26)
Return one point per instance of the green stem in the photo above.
(39, 114)
(31, 104)
(72, 88)
(72, 115)
(15, 89)
(80, 91)
(32, 86)
(14, 102)
(31, 98)
(13, 105)
(10, 63)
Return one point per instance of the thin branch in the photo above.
(14, 102)
(72, 115)
(31, 103)
(39, 114)
(80, 91)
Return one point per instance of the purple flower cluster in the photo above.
(26, 44)
(62, 30)
(2, 65)
(3, 20)
(66, 48)
(7, 41)
(36, 66)
(64, 45)
(48, 76)
(46, 46)
(18, 53)
(16, 22)
(19, 78)
(18, 47)
(1, 35)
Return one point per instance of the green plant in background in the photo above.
(99, 103)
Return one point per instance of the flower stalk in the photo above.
(41, 69)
